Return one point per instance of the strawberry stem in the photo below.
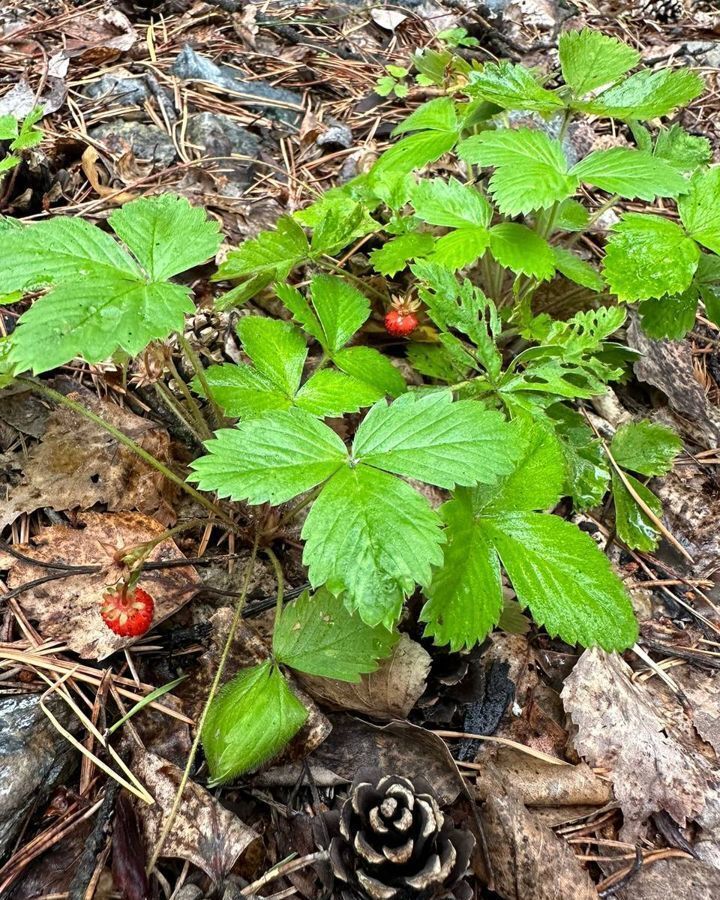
(214, 687)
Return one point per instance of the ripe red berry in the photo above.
(128, 613)
(400, 324)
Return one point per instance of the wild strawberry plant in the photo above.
(20, 136)
(457, 237)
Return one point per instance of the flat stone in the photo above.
(276, 103)
(147, 142)
(34, 758)
(220, 135)
(126, 91)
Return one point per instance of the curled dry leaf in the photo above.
(621, 729)
(537, 783)
(98, 38)
(77, 465)
(68, 609)
(205, 833)
(529, 861)
(388, 693)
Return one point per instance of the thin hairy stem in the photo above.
(199, 369)
(193, 408)
(180, 414)
(170, 821)
(280, 580)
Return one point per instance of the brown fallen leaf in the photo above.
(68, 609)
(89, 166)
(619, 728)
(537, 783)
(529, 861)
(691, 510)
(397, 747)
(204, 833)
(673, 878)
(77, 465)
(388, 693)
(98, 38)
(668, 365)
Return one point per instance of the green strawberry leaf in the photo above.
(633, 526)
(341, 309)
(396, 253)
(648, 256)
(512, 87)
(699, 208)
(572, 216)
(330, 393)
(369, 537)
(434, 361)
(630, 173)
(684, 151)
(465, 599)
(460, 248)
(414, 152)
(522, 251)
(436, 440)
(277, 349)
(531, 171)
(317, 635)
(669, 317)
(585, 458)
(370, 366)
(279, 352)
(590, 59)
(243, 392)
(435, 115)
(577, 269)
(558, 571)
(647, 94)
(645, 447)
(250, 720)
(342, 223)
(301, 310)
(272, 253)
(555, 568)
(450, 203)
(93, 318)
(166, 234)
(269, 459)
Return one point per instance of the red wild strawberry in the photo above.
(401, 320)
(127, 612)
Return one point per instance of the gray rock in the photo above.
(147, 142)
(219, 135)
(337, 135)
(34, 758)
(276, 103)
(703, 53)
(124, 91)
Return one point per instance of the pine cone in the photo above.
(391, 840)
(211, 334)
(665, 11)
